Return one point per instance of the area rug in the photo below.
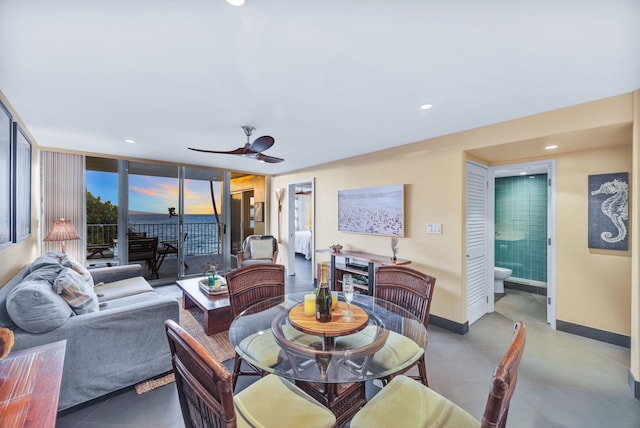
(217, 345)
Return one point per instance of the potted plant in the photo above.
(211, 274)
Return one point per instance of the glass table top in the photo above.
(274, 336)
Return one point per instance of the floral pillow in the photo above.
(76, 291)
(79, 268)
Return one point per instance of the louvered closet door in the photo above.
(477, 303)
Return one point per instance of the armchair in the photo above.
(258, 249)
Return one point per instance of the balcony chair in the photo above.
(258, 249)
(144, 250)
(247, 286)
(404, 402)
(169, 247)
(206, 397)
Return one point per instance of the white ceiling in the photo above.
(328, 79)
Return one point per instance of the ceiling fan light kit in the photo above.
(250, 150)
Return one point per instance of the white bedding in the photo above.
(303, 243)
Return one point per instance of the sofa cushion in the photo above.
(122, 288)
(128, 300)
(76, 291)
(78, 268)
(36, 308)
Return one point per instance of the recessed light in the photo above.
(550, 147)
(426, 106)
(235, 2)
(523, 173)
(129, 141)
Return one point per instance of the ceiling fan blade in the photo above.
(261, 144)
(268, 159)
(238, 151)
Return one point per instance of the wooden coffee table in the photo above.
(216, 309)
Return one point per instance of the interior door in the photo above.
(242, 221)
(477, 251)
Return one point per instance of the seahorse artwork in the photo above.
(615, 208)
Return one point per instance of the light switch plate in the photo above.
(434, 228)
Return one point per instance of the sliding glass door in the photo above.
(172, 220)
(153, 223)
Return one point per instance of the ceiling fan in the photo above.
(250, 150)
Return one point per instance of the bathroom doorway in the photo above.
(523, 215)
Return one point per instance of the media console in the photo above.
(362, 267)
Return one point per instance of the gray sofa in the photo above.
(114, 327)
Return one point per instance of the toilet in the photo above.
(500, 274)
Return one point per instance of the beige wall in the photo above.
(593, 286)
(16, 256)
(434, 174)
(634, 220)
(425, 202)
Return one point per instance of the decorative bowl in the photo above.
(6, 342)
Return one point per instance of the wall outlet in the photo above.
(434, 228)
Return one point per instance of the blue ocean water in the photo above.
(201, 229)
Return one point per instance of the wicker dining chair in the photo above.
(206, 397)
(404, 402)
(411, 290)
(248, 286)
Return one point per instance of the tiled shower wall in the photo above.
(521, 225)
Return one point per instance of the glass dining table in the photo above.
(330, 361)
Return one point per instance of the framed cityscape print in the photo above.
(22, 170)
(6, 196)
(609, 211)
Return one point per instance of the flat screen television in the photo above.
(372, 210)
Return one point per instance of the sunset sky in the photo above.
(154, 194)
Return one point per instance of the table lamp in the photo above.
(62, 230)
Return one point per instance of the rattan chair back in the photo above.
(204, 385)
(251, 284)
(407, 288)
(504, 380)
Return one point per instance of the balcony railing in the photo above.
(201, 239)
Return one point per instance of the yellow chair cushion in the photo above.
(407, 403)
(396, 351)
(276, 402)
(262, 348)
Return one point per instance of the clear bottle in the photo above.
(323, 298)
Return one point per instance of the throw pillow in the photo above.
(79, 268)
(35, 308)
(49, 259)
(47, 273)
(75, 290)
(261, 249)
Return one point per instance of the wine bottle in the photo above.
(323, 298)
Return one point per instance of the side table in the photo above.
(216, 309)
(30, 386)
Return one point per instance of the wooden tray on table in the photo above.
(334, 328)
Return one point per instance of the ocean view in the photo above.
(201, 230)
